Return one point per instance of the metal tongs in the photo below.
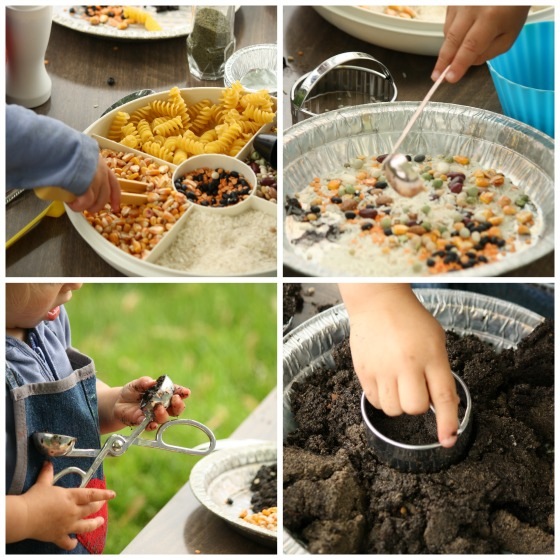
(55, 445)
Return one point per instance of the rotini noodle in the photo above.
(172, 130)
(169, 127)
(120, 120)
(140, 16)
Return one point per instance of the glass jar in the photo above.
(211, 42)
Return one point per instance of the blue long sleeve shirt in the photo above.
(42, 151)
(43, 359)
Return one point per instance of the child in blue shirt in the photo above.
(41, 151)
(51, 387)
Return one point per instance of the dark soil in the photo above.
(293, 301)
(264, 488)
(338, 498)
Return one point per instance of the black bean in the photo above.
(111, 81)
(430, 262)
(381, 185)
(336, 200)
(350, 215)
(315, 209)
(366, 226)
(419, 158)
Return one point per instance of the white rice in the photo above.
(213, 244)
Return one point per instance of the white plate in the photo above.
(399, 34)
(123, 262)
(175, 23)
(227, 474)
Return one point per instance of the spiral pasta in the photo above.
(173, 130)
(140, 16)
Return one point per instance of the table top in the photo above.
(80, 65)
(304, 51)
(183, 526)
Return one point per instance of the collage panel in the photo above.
(155, 404)
(157, 157)
(418, 418)
(394, 168)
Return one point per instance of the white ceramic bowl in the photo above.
(218, 161)
(400, 34)
(132, 266)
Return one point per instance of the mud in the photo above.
(265, 488)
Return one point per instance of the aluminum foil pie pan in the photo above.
(522, 153)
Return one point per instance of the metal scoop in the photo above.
(56, 445)
(398, 170)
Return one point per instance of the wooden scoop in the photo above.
(132, 192)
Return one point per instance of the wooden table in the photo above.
(183, 526)
(309, 40)
(80, 65)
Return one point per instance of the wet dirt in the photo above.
(292, 301)
(265, 488)
(338, 498)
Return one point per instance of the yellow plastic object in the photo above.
(54, 193)
(54, 210)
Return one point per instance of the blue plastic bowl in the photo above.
(524, 77)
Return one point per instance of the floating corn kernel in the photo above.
(400, 229)
(333, 184)
(461, 160)
(524, 217)
(482, 182)
(523, 230)
(486, 197)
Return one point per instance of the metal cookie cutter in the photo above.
(334, 84)
(55, 445)
(431, 457)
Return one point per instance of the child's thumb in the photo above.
(46, 475)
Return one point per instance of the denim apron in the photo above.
(68, 407)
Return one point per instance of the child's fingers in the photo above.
(86, 496)
(88, 525)
(369, 386)
(92, 507)
(443, 393)
(46, 474)
(66, 542)
(176, 406)
(413, 393)
(388, 392)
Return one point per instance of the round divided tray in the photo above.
(152, 264)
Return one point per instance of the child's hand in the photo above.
(399, 354)
(50, 513)
(475, 34)
(103, 188)
(127, 408)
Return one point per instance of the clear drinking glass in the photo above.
(211, 42)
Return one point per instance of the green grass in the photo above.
(217, 339)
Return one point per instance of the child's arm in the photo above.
(399, 354)
(50, 513)
(118, 407)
